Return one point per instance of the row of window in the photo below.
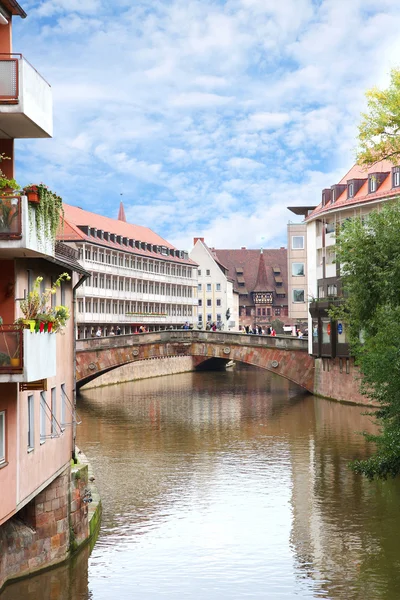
(49, 423)
(134, 262)
(52, 419)
(210, 318)
(93, 305)
(127, 284)
(267, 312)
(209, 302)
(208, 287)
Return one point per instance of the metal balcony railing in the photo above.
(11, 349)
(10, 217)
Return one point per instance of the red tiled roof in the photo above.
(75, 217)
(249, 261)
(385, 190)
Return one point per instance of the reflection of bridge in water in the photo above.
(285, 356)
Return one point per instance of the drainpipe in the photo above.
(80, 282)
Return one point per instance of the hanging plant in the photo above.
(48, 212)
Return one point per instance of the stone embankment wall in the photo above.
(52, 526)
(338, 379)
(144, 369)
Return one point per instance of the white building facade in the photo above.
(138, 280)
(218, 302)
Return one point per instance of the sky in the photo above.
(206, 117)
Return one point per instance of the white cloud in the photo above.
(210, 117)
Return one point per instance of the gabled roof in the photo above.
(249, 261)
(74, 217)
(262, 284)
(385, 189)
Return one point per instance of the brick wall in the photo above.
(338, 379)
(47, 530)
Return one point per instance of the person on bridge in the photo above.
(112, 332)
(98, 332)
(118, 331)
(273, 332)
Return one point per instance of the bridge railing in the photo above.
(189, 336)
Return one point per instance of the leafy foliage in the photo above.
(369, 254)
(48, 213)
(379, 130)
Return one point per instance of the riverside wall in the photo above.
(54, 525)
(338, 379)
(145, 369)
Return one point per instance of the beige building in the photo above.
(298, 291)
(218, 302)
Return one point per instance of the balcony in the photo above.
(18, 234)
(26, 104)
(26, 356)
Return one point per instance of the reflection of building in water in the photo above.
(336, 529)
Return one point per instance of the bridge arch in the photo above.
(287, 357)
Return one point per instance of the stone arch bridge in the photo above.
(285, 356)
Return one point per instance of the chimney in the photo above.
(195, 240)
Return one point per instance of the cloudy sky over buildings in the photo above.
(209, 117)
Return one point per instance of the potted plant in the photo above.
(37, 313)
(32, 193)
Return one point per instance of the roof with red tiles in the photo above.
(384, 190)
(75, 217)
(244, 265)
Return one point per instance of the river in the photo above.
(228, 485)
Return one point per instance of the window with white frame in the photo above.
(298, 269)
(208, 287)
(208, 272)
(199, 287)
(42, 417)
(31, 423)
(2, 436)
(63, 414)
(53, 411)
(208, 302)
(298, 295)
(219, 302)
(298, 242)
(218, 287)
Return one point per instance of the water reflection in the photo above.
(229, 485)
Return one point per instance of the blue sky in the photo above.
(209, 117)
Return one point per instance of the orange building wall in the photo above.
(8, 473)
(47, 458)
(7, 284)
(6, 38)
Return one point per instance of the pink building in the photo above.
(37, 416)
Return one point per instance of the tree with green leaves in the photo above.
(379, 130)
(369, 254)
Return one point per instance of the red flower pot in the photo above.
(49, 326)
(41, 327)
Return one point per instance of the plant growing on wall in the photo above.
(36, 307)
(47, 212)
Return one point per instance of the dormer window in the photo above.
(396, 177)
(350, 190)
(375, 180)
(353, 186)
(326, 196)
(372, 184)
